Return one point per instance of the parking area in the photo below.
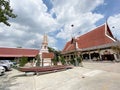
(92, 76)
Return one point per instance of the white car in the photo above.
(2, 70)
(8, 62)
(5, 64)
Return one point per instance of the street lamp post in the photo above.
(77, 58)
(75, 54)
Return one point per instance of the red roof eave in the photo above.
(17, 55)
(18, 52)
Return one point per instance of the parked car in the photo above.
(8, 61)
(6, 64)
(2, 70)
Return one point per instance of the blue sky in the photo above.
(55, 17)
(109, 8)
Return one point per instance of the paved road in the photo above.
(93, 76)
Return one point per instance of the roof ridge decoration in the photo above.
(110, 34)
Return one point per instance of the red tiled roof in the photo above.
(48, 55)
(70, 45)
(18, 52)
(93, 38)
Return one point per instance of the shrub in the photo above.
(62, 60)
(79, 59)
(54, 61)
(23, 61)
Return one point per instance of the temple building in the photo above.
(94, 45)
(7, 53)
(45, 55)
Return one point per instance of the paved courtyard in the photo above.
(104, 65)
(93, 76)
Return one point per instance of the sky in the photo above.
(55, 17)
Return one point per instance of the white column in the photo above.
(89, 56)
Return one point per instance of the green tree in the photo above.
(62, 60)
(54, 60)
(56, 53)
(23, 61)
(6, 12)
(79, 59)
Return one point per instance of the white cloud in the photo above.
(33, 21)
(15, 36)
(33, 13)
(79, 6)
(114, 23)
(77, 12)
(28, 28)
(51, 41)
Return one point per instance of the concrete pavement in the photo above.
(93, 76)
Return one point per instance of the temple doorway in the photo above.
(86, 56)
(95, 56)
